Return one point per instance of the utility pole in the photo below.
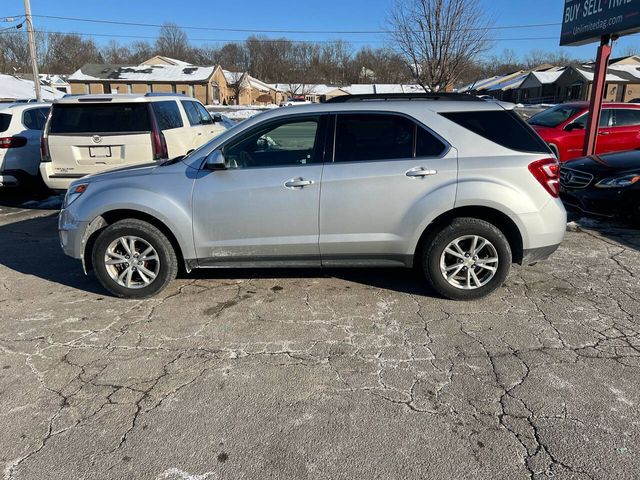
(32, 50)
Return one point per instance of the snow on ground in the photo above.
(239, 112)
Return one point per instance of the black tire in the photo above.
(460, 227)
(168, 263)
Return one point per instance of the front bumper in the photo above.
(72, 235)
(622, 203)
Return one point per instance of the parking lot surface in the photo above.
(351, 374)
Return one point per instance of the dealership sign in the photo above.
(587, 21)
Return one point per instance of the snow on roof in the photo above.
(304, 89)
(143, 73)
(382, 88)
(633, 70)
(479, 84)
(509, 83)
(176, 62)
(20, 89)
(232, 77)
(53, 79)
(359, 89)
(610, 77)
(259, 84)
(546, 78)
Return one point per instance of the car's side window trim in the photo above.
(417, 124)
(320, 140)
(608, 111)
(615, 117)
(34, 111)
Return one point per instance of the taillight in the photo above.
(12, 142)
(159, 145)
(158, 142)
(44, 150)
(547, 172)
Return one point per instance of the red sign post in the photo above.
(597, 96)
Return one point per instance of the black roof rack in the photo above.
(460, 97)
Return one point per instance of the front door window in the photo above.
(289, 143)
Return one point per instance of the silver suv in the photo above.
(454, 186)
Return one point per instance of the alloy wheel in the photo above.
(132, 262)
(469, 262)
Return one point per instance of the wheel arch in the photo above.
(502, 221)
(112, 216)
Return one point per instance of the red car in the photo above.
(563, 128)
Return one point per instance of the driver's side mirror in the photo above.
(216, 161)
(574, 126)
(217, 117)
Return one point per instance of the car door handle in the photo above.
(420, 172)
(603, 133)
(298, 183)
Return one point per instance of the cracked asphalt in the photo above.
(351, 374)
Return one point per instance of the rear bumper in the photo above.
(55, 180)
(543, 229)
(15, 178)
(535, 255)
(7, 180)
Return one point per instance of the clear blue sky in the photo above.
(292, 15)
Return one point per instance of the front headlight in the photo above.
(619, 182)
(74, 193)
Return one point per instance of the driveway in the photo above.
(351, 374)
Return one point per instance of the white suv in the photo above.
(88, 134)
(20, 130)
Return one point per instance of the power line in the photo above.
(263, 40)
(12, 27)
(253, 30)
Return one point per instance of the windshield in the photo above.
(555, 116)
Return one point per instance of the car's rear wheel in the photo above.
(133, 259)
(468, 259)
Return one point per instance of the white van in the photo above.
(87, 134)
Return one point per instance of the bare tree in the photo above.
(237, 82)
(439, 38)
(66, 53)
(113, 52)
(172, 42)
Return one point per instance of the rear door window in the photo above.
(5, 121)
(626, 117)
(427, 144)
(503, 127)
(192, 113)
(167, 115)
(605, 119)
(366, 137)
(99, 119)
(205, 117)
(35, 118)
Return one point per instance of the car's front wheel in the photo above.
(467, 259)
(133, 259)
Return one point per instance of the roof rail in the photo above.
(167, 94)
(460, 97)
